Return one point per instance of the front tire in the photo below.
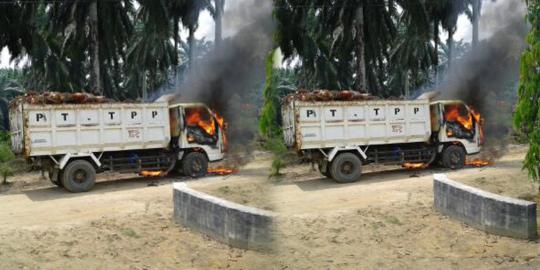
(79, 176)
(346, 168)
(453, 157)
(195, 165)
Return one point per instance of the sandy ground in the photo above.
(119, 225)
(386, 220)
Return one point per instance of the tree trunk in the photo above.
(450, 43)
(360, 83)
(144, 94)
(95, 73)
(436, 60)
(407, 84)
(191, 43)
(477, 5)
(219, 24)
(176, 38)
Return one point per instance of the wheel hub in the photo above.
(79, 176)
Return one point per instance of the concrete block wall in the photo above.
(234, 224)
(484, 210)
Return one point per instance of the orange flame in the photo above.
(456, 113)
(478, 162)
(222, 171)
(415, 166)
(223, 125)
(152, 173)
(201, 118)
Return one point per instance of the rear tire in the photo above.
(326, 173)
(195, 165)
(453, 157)
(346, 168)
(57, 181)
(78, 176)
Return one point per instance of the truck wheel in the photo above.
(326, 173)
(79, 176)
(56, 180)
(346, 168)
(453, 157)
(195, 165)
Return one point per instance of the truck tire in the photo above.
(453, 157)
(326, 173)
(57, 181)
(78, 176)
(195, 165)
(346, 168)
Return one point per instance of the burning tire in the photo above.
(453, 157)
(346, 168)
(195, 165)
(78, 176)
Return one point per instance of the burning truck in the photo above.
(74, 136)
(343, 130)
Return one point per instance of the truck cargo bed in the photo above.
(39, 130)
(328, 124)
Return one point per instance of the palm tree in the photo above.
(333, 39)
(10, 87)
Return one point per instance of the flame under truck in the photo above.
(73, 142)
(341, 136)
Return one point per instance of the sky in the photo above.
(206, 29)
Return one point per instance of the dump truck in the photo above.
(341, 132)
(73, 142)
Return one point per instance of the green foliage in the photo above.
(268, 123)
(399, 38)
(11, 85)
(138, 47)
(5, 153)
(527, 116)
(278, 84)
(282, 155)
(6, 156)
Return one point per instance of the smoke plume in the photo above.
(486, 77)
(231, 77)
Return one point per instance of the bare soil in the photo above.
(122, 224)
(386, 220)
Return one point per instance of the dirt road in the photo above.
(386, 220)
(118, 225)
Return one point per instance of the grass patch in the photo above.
(392, 220)
(224, 190)
(129, 232)
(481, 180)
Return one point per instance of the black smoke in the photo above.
(486, 77)
(230, 78)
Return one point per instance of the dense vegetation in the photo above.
(121, 49)
(527, 117)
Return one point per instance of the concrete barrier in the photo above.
(483, 210)
(234, 224)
